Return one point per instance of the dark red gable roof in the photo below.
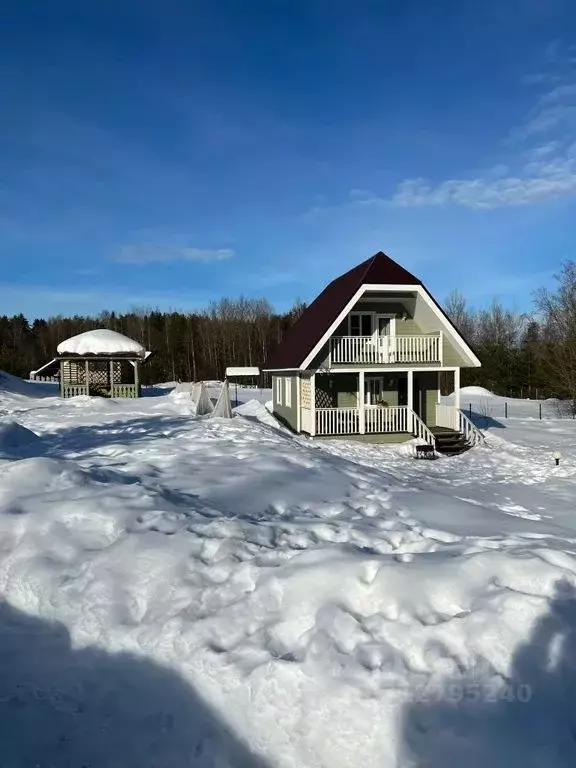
(301, 339)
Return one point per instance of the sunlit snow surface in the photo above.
(185, 591)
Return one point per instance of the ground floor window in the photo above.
(288, 392)
(277, 383)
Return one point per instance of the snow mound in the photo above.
(13, 384)
(257, 411)
(100, 342)
(475, 392)
(16, 441)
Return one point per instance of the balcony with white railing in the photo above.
(386, 350)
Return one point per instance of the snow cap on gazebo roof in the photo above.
(101, 342)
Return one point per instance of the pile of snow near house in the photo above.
(182, 591)
(474, 392)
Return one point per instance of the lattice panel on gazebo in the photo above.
(99, 373)
(73, 372)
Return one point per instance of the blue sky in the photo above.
(163, 154)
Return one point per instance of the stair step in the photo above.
(450, 443)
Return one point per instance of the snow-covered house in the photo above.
(365, 359)
(99, 362)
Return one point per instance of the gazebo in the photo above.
(100, 362)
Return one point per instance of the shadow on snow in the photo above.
(526, 721)
(67, 708)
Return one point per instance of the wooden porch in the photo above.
(399, 420)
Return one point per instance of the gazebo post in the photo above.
(136, 381)
(61, 378)
(111, 369)
(87, 376)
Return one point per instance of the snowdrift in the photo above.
(14, 385)
(182, 591)
(475, 392)
(16, 441)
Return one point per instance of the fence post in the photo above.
(506, 409)
(470, 411)
(540, 410)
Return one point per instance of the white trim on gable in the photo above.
(339, 318)
(447, 327)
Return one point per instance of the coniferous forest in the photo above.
(524, 354)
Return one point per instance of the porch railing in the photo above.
(337, 421)
(392, 419)
(386, 350)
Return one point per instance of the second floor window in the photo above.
(360, 325)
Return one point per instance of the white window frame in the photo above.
(360, 313)
(288, 391)
(374, 321)
(278, 388)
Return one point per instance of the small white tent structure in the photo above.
(203, 403)
(223, 409)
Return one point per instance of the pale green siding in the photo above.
(425, 396)
(336, 391)
(288, 414)
(452, 358)
(408, 327)
(346, 387)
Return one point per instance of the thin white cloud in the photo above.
(542, 172)
(559, 93)
(148, 253)
(552, 181)
(545, 120)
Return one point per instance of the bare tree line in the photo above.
(187, 346)
(523, 354)
(528, 354)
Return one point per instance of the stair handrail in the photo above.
(420, 430)
(470, 431)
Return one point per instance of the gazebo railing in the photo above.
(124, 390)
(73, 390)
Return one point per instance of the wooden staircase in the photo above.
(449, 442)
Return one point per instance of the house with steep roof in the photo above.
(365, 360)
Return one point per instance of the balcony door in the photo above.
(385, 325)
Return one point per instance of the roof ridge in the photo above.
(369, 263)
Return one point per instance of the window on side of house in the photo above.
(277, 383)
(288, 392)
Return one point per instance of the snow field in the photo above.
(334, 603)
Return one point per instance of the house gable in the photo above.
(379, 274)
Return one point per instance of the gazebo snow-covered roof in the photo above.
(101, 342)
(100, 362)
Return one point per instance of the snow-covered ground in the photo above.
(185, 591)
(487, 409)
